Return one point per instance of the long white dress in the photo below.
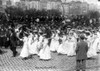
(25, 50)
(45, 53)
(54, 43)
(30, 42)
(40, 42)
(93, 48)
(34, 45)
(98, 47)
(89, 40)
(62, 47)
(71, 46)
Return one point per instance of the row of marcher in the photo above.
(43, 46)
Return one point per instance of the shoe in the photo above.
(25, 58)
(15, 54)
(31, 56)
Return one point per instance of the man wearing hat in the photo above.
(13, 40)
(81, 54)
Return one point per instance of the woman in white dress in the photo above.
(54, 42)
(89, 40)
(71, 45)
(34, 45)
(25, 51)
(30, 43)
(66, 46)
(93, 47)
(98, 47)
(40, 43)
(45, 53)
(61, 49)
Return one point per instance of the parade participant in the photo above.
(61, 48)
(40, 42)
(93, 47)
(30, 38)
(81, 54)
(54, 42)
(98, 46)
(45, 53)
(25, 52)
(34, 44)
(13, 42)
(71, 45)
(89, 39)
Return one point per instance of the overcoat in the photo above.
(81, 50)
(13, 40)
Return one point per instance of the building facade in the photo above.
(65, 6)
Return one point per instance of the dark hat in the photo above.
(82, 37)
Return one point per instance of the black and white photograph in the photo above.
(49, 35)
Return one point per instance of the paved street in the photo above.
(57, 63)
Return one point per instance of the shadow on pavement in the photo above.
(2, 52)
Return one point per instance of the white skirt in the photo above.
(45, 53)
(98, 46)
(33, 48)
(71, 48)
(54, 45)
(24, 51)
(93, 49)
(63, 48)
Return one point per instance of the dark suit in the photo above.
(13, 43)
(81, 55)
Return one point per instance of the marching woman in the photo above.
(54, 43)
(71, 45)
(13, 42)
(40, 42)
(34, 44)
(25, 51)
(30, 40)
(89, 39)
(93, 47)
(98, 47)
(61, 49)
(52, 48)
(45, 53)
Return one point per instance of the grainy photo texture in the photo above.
(49, 35)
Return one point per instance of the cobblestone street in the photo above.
(57, 63)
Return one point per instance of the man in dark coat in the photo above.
(13, 42)
(81, 54)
